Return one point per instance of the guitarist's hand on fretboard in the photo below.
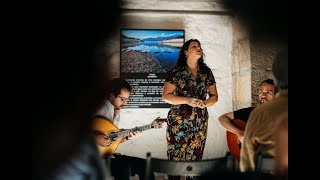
(134, 135)
(131, 136)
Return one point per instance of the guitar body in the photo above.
(106, 127)
(232, 139)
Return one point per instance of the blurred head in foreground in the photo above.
(68, 75)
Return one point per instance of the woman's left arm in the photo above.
(213, 97)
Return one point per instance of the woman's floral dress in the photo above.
(187, 126)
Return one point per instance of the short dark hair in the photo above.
(268, 81)
(271, 82)
(280, 69)
(116, 84)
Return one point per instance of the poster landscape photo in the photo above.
(146, 56)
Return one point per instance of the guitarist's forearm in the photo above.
(227, 124)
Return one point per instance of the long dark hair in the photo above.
(182, 60)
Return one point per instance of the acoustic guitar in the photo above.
(232, 139)
(104, 126)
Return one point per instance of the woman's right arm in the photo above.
(169, 97)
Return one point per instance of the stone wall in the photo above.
(263, 53)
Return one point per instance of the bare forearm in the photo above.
(226, 122)
(175, 100)
(213, 96)
(211, 101)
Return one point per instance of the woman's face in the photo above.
(194, 50)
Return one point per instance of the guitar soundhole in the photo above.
(113, 136)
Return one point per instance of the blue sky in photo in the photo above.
(145, 33)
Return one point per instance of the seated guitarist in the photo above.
(267, 90)
(117, 97)
(121, 166)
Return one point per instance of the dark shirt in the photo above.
(243, 114)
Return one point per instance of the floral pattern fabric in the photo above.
(187, 126)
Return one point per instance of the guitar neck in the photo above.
(127, 132)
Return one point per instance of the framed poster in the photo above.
(146, 55)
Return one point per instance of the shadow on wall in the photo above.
(266, 18)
